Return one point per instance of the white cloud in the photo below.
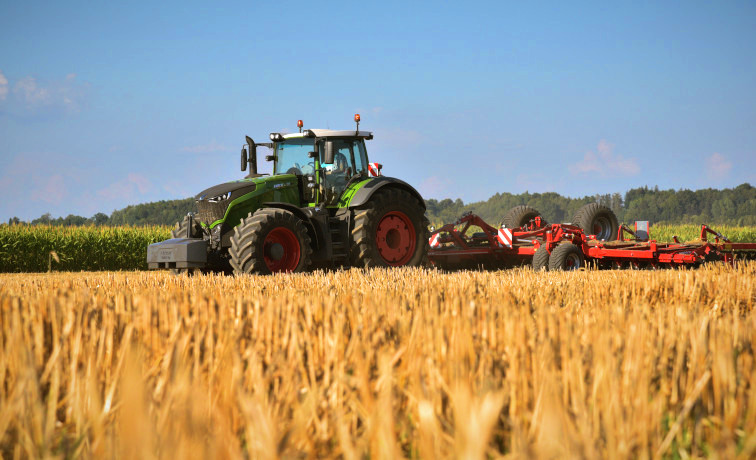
(206, 148)
(718, 167)
(130, 188)
(605, 163)
(29, 96)
(3, 86)
(28, 90)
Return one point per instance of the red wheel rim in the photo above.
(395, 238)
(281, 250)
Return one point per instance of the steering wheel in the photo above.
(296, 169)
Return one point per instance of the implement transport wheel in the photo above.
(520, 216)
(391, 230)
(180, 232)
(541, 259)
(566, 256)
(270, 241)
(596, 219)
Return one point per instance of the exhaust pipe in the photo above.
(252, 155)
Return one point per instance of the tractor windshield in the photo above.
(292, 158)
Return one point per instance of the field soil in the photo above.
(380, 364)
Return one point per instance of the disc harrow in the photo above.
(455, 245)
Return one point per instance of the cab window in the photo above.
(360, 156)
(292, 157)
(342, 159)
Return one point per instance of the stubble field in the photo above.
(380, 364)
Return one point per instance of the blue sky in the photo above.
(104, 105)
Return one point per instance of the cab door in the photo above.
(349, 162)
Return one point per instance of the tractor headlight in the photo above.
(276, 137)
(219, 198)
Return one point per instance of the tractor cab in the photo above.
(326, 162)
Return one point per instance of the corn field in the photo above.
(404, 363)
(664, 232)
(25, 248)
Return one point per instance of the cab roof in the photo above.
(331, 133)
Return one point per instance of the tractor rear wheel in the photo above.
(391, 230)
(179, 231)
(520, 216)
(596, 219)
(541, 259)
(270, 241)
(566, 256)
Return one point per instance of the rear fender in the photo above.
(365, 192)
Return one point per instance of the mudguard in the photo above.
(363, 195)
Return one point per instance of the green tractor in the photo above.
(324, 206)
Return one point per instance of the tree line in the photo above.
(166, 212)
(735, 206)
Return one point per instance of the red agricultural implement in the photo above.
(569, 246)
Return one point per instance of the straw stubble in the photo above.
(380, 364)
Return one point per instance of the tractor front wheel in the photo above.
(391, 230)
(270, 241)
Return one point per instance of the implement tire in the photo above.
(596, 219)
(541, 259)
(566, 257)
(390, 230)
(270, 241)
(519, 216)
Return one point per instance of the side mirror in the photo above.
(329, 153)
(244, 159)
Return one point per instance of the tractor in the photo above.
(323, 206)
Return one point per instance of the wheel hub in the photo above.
(395, 238)
(276, 251)
(281, 250)
(572, 262)
(602, 228)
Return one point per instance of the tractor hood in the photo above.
(212, 203)
(224, 191)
